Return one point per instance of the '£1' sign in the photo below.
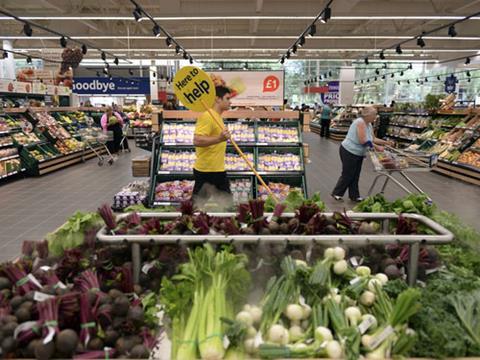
(270, 83)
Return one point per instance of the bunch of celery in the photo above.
(212, 284)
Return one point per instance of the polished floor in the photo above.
(32, 207)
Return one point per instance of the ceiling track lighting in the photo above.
(451, 31)
(392, 76)
(469, 80)
(421, 42)
(361, 81)
(408, 81)
(366, 61)
(130, 72)
(5, 54)
(185, 55)
(282, 60)
(327, 14)
(103, 56)
(375, 78)
(368, 80)
(98, 73)
(287, 55)
(354, 83)
(377, 71)
(294, 49)
(84, 49)
(468, 74)
(116, 61)
(301, 42)
(383, 77)
(177, 49)
(190, 60)
(426, 79)
(154, 74)
(107, 65)
(156, 30)
(330, 73)
(438, 78)
(401, 73)
(398, 82)
(382, 55)
(29, 60)
(169, 42)
(105, 71)
(63, 42)
(27, 29)
(312, 31)
(467, 61)
(137, 14)
(410, 66)
(398, 49)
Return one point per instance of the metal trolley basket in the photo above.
(93, 137)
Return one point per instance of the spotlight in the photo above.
(294, 49)
(312, 30)
(156, 30)
(382, 55)
(375, 78)
(169, 42)
(301, 42)
(467, 61)
(177, 49)
(27, 29)
(468, 74)
(385, 65)
(383, 77)
(320, 78)
(420, 42)
(105, 71)
(107, 65)
(398, 49)
(377, 71)
(401, 73)
(130, 72)
(398, 82)
(29, 60)
(116, 61)
(417, 81)
(426, 79)
(408, 81)
(327, 14)
(330, 73)
(393, 75)
(190, 60)
(366, 61)
(438, 78)
(137, 14)
(469, 80)
(84, 49)
(110, 77)
(410, 66)
(154, 74)
(287, 55)
(451, 31)
(104, 57)
(282, 60)
(368, 80)
(361, 81)
(63, 42)
(185, 55)
(5, 54)
(98, 73)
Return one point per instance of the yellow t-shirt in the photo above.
(210, 158)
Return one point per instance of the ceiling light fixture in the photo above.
(451, 31)
(154, 74)
(169, 42)
(156, 30)
(382, 55)
(282, 60)
(421, 42)
(408, 81)
(185, 55)
(392, 76)
(116, 61)
(398, 82)
(410, 66)
(29, 60)
(301, 42)
(330, 73)
(103, 56)
(130, 72)
(438, 78)
(137, 14)
(383, 77)
(366, 61)
(287, 55)
(312, 30)
(426, 79)
(375, 78)
(385, 65)
(377, 71)
(177, 49)
(327, 14)
(27, 29)
(294, 49)
(401, 73)
(98, 73)
(468, 74)
(467, 61)
(398, 49)
(63, 42)
(84, 49)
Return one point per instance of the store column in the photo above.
(7, 70)
(347, 77)
(153, 83)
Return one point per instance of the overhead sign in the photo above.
(194, 88)
(252, 88)
(116, 86)
(15, 87)
(451, 84)
(328, 93)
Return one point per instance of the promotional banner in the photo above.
(116, 86)
(252, 88)
(15, 87)
(451, 84)
(330, 92)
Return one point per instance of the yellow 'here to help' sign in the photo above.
(194, 88)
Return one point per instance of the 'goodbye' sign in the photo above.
(194, 88)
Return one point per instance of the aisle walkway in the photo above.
(449, 194)
(32, 207)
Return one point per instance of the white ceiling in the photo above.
(247, 29)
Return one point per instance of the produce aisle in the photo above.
(34, 206)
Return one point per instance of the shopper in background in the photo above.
(325, 120)
(210, 145)
(112, 121)
(359, 139)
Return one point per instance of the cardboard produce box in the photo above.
(141, 166)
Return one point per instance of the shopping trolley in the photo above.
(124, 141)
(96, 140)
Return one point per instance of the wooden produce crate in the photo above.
(141, 166)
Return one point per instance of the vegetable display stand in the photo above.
(387, 164)
(441, 236)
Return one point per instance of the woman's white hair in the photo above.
(369, 110)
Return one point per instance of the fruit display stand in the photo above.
(10, 164)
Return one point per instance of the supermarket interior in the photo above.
(259, 179)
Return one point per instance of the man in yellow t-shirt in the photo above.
(210, 144)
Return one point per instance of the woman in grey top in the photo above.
(359, 138)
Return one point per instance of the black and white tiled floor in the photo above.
(32, 207)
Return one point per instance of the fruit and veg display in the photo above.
(40, 155)
(470, 157)
(8, 152)
(46, 122)
(24, 139)
(7, 124)
(5, 141)
(177, 160)
(178, 133)
(280, 190)
(69, 145)
(173, 191)
(279, 162)
(277, 134)
(132, 194)
(436, 134)
(234, 162)
(417, 121)
(9, 166)
(402, 132)
(241, 133)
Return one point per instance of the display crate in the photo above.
(141, 166)
(295, 181)
(297, 150)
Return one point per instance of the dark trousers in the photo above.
(325, 127)
(351, 168)
(114, 146)
(208, 184)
